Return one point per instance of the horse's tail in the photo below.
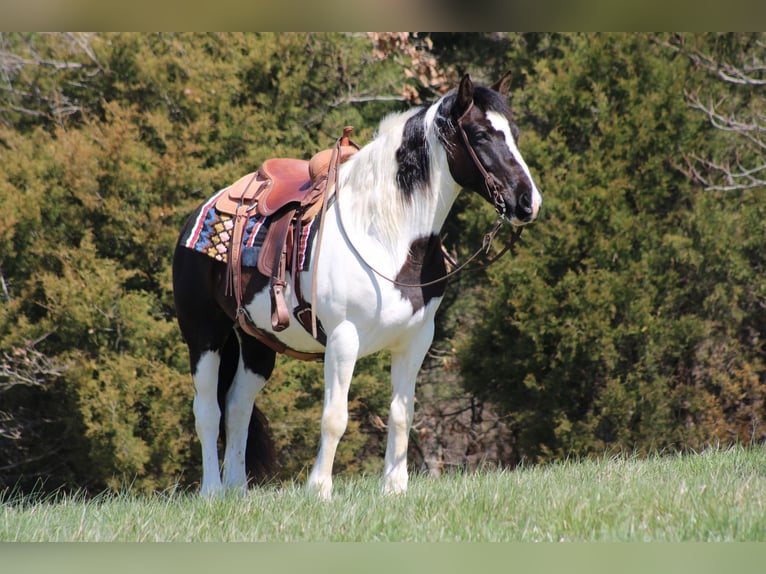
(260, 453)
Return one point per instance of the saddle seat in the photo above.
(278, 182)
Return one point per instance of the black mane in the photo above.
(413, 156)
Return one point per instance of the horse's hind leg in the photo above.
(205, 328)
(205, 366)
(207, 418)
(405, 365)
(256, 361)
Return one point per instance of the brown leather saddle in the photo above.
(279, 181)
(291, 192)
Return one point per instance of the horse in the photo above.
(387, 205)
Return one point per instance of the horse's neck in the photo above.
(375, 208)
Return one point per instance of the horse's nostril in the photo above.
(525, 203)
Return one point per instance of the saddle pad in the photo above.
(211, 232)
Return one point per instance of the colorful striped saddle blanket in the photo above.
(212, 231)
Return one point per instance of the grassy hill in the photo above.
(715, 495)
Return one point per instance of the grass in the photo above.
(716, 495)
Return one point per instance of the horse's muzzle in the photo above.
(527, 207)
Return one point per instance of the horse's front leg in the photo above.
(405, 365)
(340, 358)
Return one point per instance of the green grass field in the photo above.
(716, 495)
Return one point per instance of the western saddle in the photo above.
(292, 192)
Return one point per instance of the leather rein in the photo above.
(486, 245)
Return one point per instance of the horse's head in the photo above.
(479, 136)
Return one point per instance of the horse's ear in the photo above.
(503, 85)
(464, 95)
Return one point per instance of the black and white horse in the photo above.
(391, 200)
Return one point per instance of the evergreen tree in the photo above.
(605, 330)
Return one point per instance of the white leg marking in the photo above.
(340, 358)
(207, 417)
(404, 370)
(239, 407)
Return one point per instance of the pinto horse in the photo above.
(378, 279)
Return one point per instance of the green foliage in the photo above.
(627, 319)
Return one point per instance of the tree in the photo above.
(607, 329)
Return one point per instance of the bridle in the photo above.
(492, 190)
(489, 180)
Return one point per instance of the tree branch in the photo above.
(27, 366)
(744, 163)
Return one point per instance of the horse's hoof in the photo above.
(394, 485)
(211, 491)
(323, 489)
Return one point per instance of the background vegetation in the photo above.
(630, 318)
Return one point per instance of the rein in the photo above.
(486, 242)
(485, 247)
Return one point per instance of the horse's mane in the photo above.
(382, 205)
